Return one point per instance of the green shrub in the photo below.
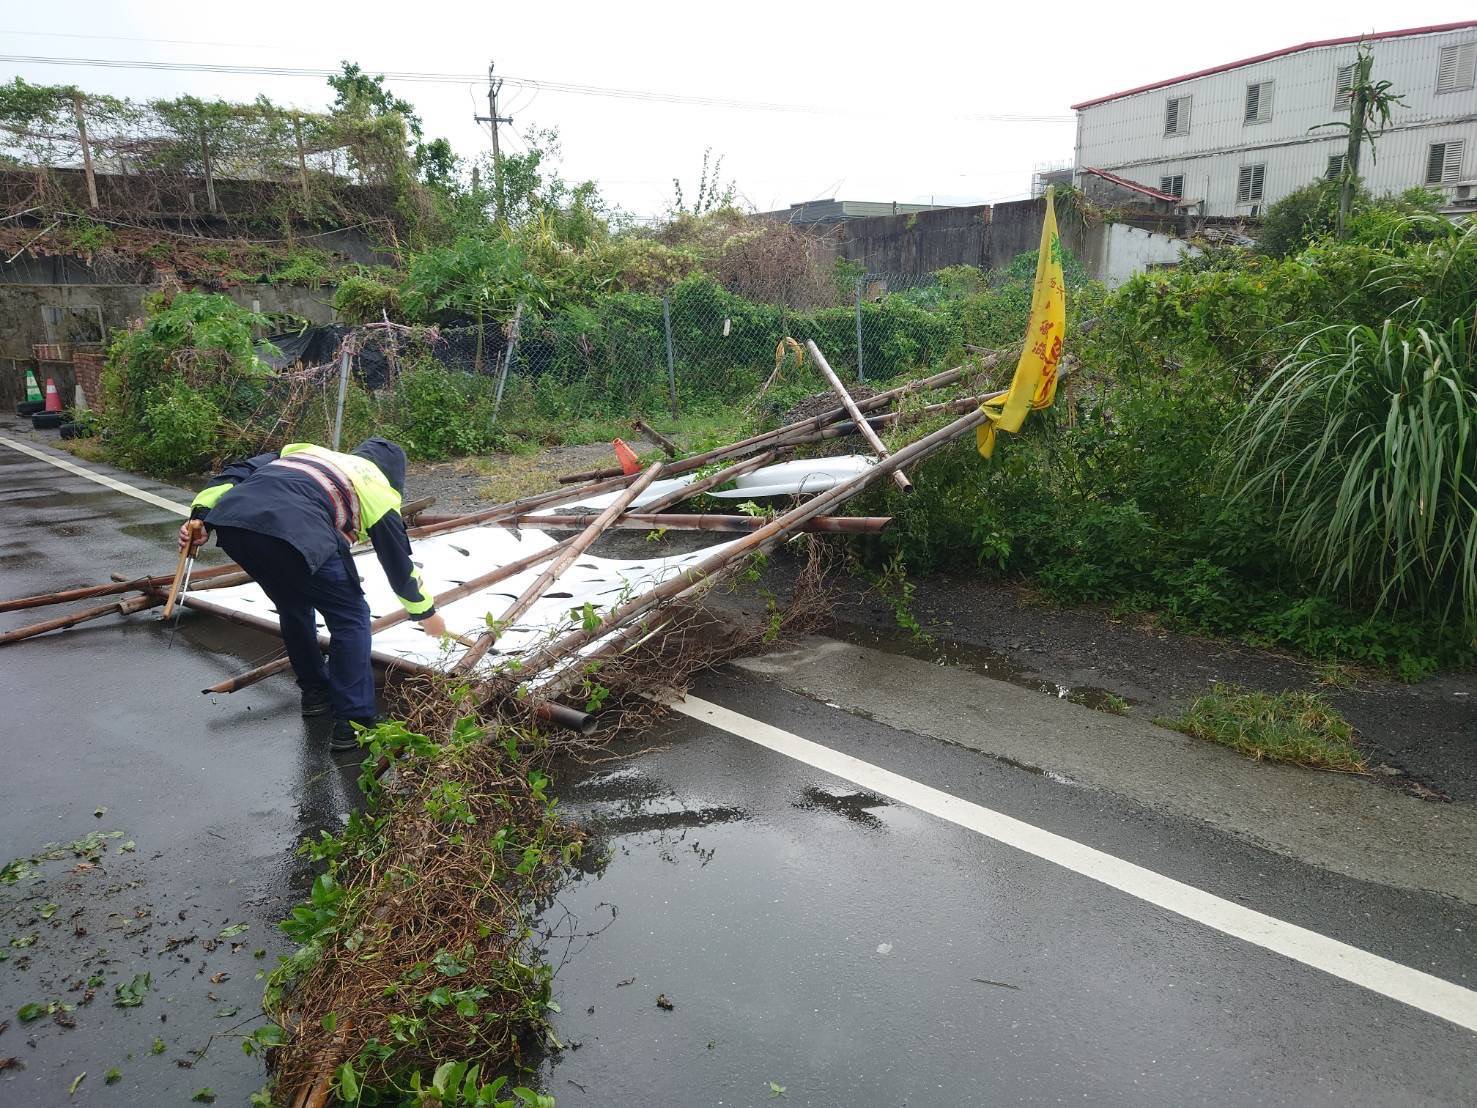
(361, 299)
(436, 413)
(181, 387)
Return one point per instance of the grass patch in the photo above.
(1296, 727)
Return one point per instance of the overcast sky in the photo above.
(903, 92)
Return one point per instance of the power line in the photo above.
(533, 84)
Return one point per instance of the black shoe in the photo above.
(344, 736)
(316, 702)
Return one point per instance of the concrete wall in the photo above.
(920, 242)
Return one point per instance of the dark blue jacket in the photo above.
(321, 502)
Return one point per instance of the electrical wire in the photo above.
(529, 83)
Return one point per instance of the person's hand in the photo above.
(434, 625)
(192, 535)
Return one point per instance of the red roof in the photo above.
(1133, 186)
(1373, 37)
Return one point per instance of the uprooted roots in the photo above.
(415, 947)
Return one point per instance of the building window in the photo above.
(1173, 186)
(1343, 85)
(1336, 163)
(1258, 102)
(1458, 67)
(1249, 183)
(1177, 115)
(1444, 162)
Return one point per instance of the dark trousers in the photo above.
(335, 593)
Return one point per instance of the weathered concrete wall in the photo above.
(918, 243)
(89, 313)
(1124, 250)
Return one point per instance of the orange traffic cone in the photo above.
(627, 458)
(53, 398)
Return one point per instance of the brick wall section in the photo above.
(89, 371)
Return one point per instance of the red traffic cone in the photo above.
(627, 457)
(53, 398)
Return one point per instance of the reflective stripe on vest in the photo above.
(338, 487)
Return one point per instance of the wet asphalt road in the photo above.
(850, 950)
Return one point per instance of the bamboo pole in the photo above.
(899, 478)
(122, 607)
(566, 558)
(782, 434)
(687, 492)
(179, 576)
(119, 584)
(647, 521)
(765, 538)
(655, 436)
(450, 596)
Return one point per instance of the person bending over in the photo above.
(288, 519)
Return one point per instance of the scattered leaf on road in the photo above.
(32, 1011)
(75, 1082)
(205, 1095)
(775, 1090)
(233, 930)
(158, 1047)
(664, 1003)
(131, 995)
(49, 910)
(113, 1076)
(217, 978)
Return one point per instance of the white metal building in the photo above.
(1234, 138)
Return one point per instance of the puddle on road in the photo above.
(854, 806)
(976, 659)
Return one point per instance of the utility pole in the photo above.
(494, 86)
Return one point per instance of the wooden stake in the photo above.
(655, 436)
(898, 476)
(179, 575)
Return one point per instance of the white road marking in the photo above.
(1420, 990)
(101, 478)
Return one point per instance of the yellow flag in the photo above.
(1034, 383)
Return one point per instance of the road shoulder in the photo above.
(1339, 822)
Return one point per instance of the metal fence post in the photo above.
(671, 359)
(508, 355)
(861, 372)
(343, 388)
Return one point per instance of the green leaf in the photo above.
(233, 930)
(330, 1021)
(113, 1076)
(158, 1047)
(227, 1013)
(32, 1011)
(20, 942)
(72, 1089)
(205, 1095)
(348, 1082)
(131, 995)
(49, 910)
(776, 1090)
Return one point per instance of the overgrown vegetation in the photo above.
(1296, 727)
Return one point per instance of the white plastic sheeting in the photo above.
(805, 477)
(455, 557)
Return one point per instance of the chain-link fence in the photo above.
(698, 344)
(695, 349)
